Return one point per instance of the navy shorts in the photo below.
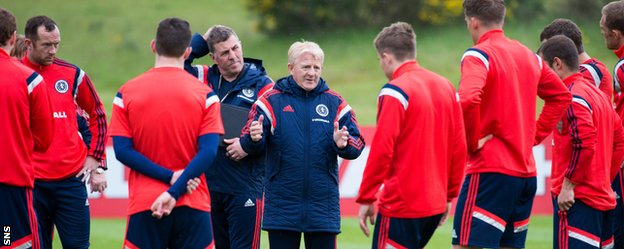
(17, 218)
(236, 220)
(185, 227)
(404, 233)
(493, 211)
(63, 204)
(582, 227)
(280, 239)
(618, 213)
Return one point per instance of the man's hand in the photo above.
(90, 164)
(163, 205)
(234, 150)
(366, 211)
(341, 137)
(445, 214)
(483, 140)
(255, 129)
(97, 182)
(565, 200)
(191, 185)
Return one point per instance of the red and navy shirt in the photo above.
(499, 80)
(618, 80)
(596, 72)
(26, 121)
(164, 111)
(69, 87)
(588, 145)
(419, 141)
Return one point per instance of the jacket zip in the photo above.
(306, 160)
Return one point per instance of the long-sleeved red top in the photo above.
(499, 81)
(69, 87)
(596, 73)
(588, 145)
(419, 141)
(26, 122)
(618, 80)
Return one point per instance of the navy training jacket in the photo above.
(301, 191)
(225, 175)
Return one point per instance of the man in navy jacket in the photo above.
(297, 125)
(235, 184)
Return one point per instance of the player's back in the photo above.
(424, 149)
(508, 105)
(19, 104)
(164, 112)
(165, 107)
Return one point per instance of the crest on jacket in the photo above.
(322, 110)
(248, 92)
(61, 86)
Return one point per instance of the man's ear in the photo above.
(291, 66)
(153, 46)
(13, 39)
(557, 64)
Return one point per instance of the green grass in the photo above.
(109, 40)
(109, 233)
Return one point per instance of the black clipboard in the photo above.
(234, 120)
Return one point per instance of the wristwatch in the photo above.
(99, 170)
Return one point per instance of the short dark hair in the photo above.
(561, 47)
(173, 36)
(614, 15)
(487, 11)
(8, 26)
(565, 27)
(398, 39)
(219, 33)
(30, 31)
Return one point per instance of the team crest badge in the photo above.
(248, 92)
(61, 86)
(322, 110)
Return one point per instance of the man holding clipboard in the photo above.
(235, 183)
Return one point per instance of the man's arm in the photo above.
(458, 159)
(199, 164)
(583, 138)
(474, 72)
(126, 154)
(247, 143)
(392, 105)
(199, 49)
(347, 123)
(556, 98)
(88, 99)
(618, 146)
(41, 122)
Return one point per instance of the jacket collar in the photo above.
(33, 65)
(620, 52)
(576, 77)
(252, 69)
(288, 85)
(407, 66)
(491, 34)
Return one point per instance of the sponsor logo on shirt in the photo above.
(61, 86)
(59, 115)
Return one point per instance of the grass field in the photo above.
(109, 40)
(109, 233)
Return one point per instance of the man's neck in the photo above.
(163, 61)
(583, 57)
(230, 77)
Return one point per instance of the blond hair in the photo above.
(299, 48)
